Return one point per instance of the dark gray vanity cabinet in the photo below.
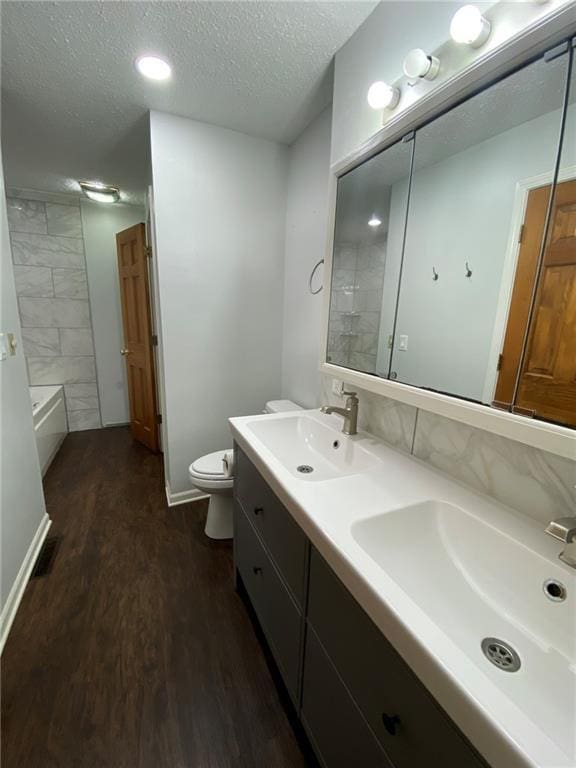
(358, 701)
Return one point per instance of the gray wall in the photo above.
(51, 284)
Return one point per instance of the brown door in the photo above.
(547, 384)
(137, 351)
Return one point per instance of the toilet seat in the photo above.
(208, 471)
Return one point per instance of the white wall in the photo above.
(22, 510)
(219, 209)
(100, 223)
(306, 217)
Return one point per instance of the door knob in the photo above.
(124, 351)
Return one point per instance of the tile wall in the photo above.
(535, 482)
(51, 284)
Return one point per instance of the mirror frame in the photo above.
(516, 53)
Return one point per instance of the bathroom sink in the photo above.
(476, 582)
(311, 448)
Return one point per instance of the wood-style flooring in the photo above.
(135, 651)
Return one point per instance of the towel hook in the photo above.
(468, 271)
(434, 274)
(313, 292)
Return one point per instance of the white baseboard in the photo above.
(184, 497)
(116, 424)
(21, 580)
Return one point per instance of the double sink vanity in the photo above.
(413, 621)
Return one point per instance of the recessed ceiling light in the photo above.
(468, 26)
(100, 193)
(153, 67)
(374, 221)
(382, 96)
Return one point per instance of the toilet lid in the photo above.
(209, 466)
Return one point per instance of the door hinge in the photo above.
(500, 360)
(521, 233)
(158, 418)
(148, 251)
(154, 340)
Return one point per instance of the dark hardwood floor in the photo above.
(135, 651)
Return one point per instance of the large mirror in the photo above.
(454, 252)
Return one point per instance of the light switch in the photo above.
(3, 346)
(12, 343)
(403, 343)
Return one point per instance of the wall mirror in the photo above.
(454, 259)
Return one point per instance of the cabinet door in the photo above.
(410, 725)
(282, 536)
(277, 613)
(339, 734)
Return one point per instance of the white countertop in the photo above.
(482, 702)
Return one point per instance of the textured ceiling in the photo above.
(73, 106)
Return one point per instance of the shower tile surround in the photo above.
(51, 285)
(534, 482)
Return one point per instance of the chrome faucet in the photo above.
(350, 413)
(564, 529)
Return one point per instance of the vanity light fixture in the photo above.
(469, 27)
(418, 65)
(374, 221)
(153, 67)
(383, 96)
(100, 193)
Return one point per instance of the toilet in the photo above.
(208, 475)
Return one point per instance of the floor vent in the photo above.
(46, 557)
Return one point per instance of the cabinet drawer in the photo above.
(380, 682)
(337, 730)
(283, 537)
(277, 613)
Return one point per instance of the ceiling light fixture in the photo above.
(383, 96)
(100, 193)
(374, 221)
(418, 65)
(469, 27)
(153, 67)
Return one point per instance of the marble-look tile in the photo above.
(26, 216)
(81, 403)
(64, 220)
(361, 361)
(79, 420)
(343, 278)
(33, 281)
(61, 370)
(534, 482)
(345, 256)
(54, 313)
(41, 342)
(47, 250)
(368, 322)
(70, 283)
(368, 301)
(76, 341)
(86, 389)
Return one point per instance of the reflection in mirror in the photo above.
(546, 385)
(480, 172)
(370, 215)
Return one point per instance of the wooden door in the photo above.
(137, 351)
(547, 384)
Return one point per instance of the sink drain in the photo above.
(305, 469)
(501, 654)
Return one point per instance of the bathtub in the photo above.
(50, 424)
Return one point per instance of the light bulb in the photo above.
(374, 221)
(382, 96)
(468, 26)
(418, 65)
(153, 67)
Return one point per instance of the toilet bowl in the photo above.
(208, 475)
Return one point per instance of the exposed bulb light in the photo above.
(100, 193)
(374, 221)
(469, 27)
(153, 68)
(383, 96)
(418, 65)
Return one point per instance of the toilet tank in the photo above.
(281, 406)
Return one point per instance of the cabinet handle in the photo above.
(390, 723)
(258, 510)
(257, 570)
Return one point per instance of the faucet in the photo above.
(350, 413)
(564, 528)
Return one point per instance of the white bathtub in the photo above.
(50, 423)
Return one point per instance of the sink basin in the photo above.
(321, 451)
(475, 582)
